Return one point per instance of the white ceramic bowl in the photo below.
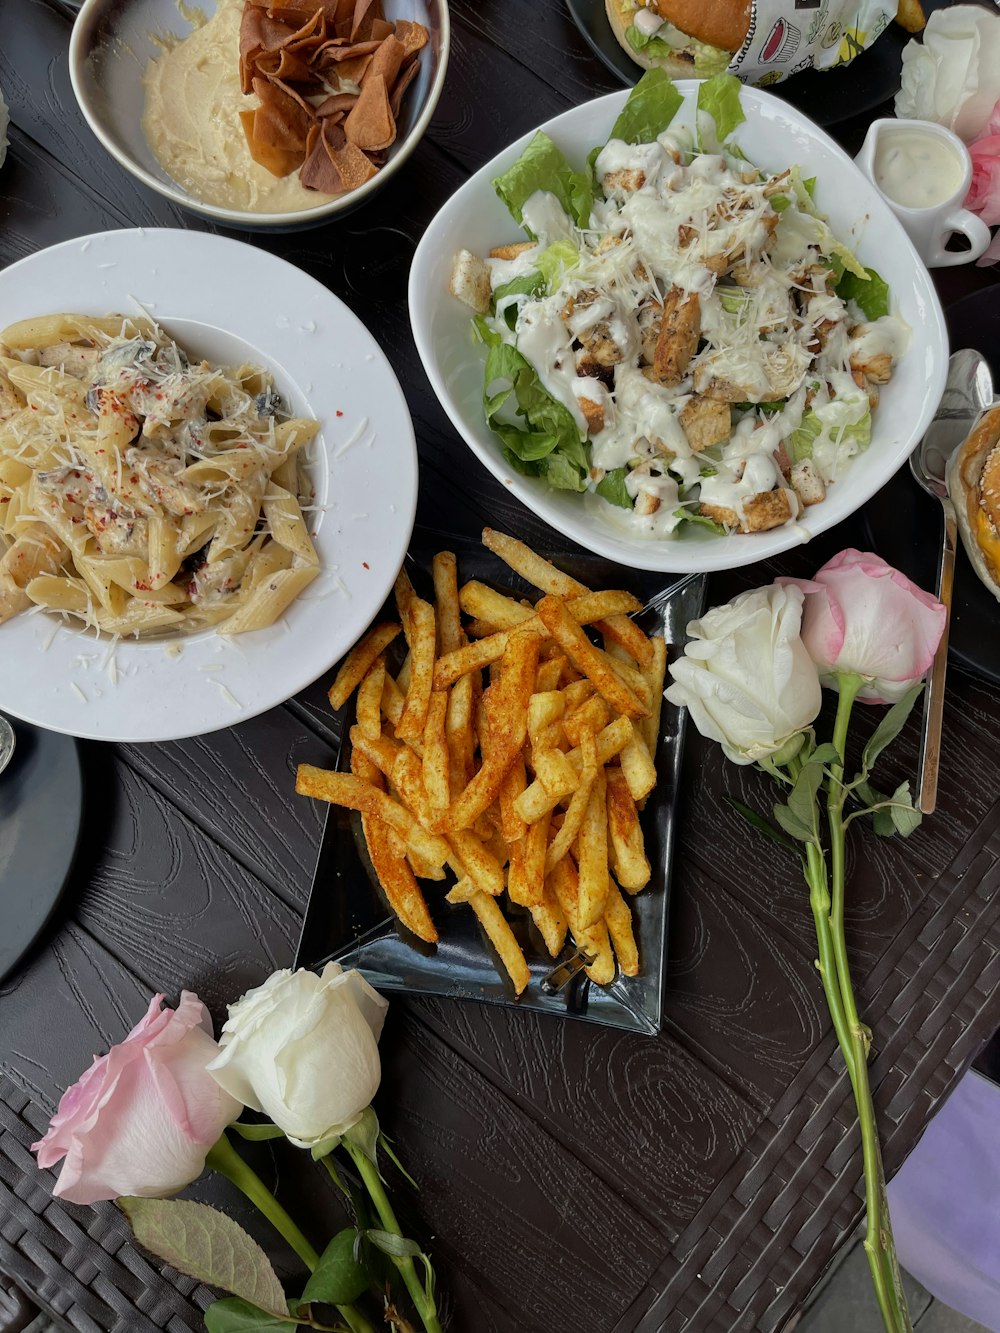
(774, 136)
(112, 44)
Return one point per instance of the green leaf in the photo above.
(543, 166)
(792, 824)
(720, 98)
(258, 1133)
(385, 1143)
(904, 817)
(232, 1315)
(708, 60)
(802, 799)
(364, 1134)
(883, 823)
(802, 440)
(651, 106)
(761, 825)
(548, 427)
(207, 1245)
(325, 1147)
(890, 726)
(555, 261)
(870, 292)
(338, 1278)
(700, 520)
(392, 1244)
(529, 284)
(612, 488)
(825, 754)
(770, 409)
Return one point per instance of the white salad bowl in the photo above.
(774, 136)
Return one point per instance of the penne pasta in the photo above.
(141, 491)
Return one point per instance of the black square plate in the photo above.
(348, 920)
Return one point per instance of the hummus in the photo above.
(192, 123)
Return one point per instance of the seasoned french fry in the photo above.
(618, 919)
(509, 725)
(393, 700)
(484, 603)
(408, 778)
(523, 560)
(398, 881)
(596, 939)
(459, 732)
(544, 709)
(353, 793)
(462, 890)
(577, 693)
(592, 855)
(469, 857)
(588, 659)
(649, 727)
(548, 674)
(536, 799)
(381, 751)
(910, 15)
(444, 569)
(369, 701)
(550, 919)
(526, 879)
(554, 770)
(512, 826)
(571, 825)
(436, 765)
(358, 662)
(502, 938)
(629, 853)
(638, 768)
(419, 626)
(590, 718)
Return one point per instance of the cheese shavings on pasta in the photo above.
(142, 492)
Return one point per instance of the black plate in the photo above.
(904, 523)
(347, 918)
(827, 97)
(41, 812)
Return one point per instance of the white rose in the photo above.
(953, 76)
(303, 1049)
(746, 677)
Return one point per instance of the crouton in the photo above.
(705, 422)
(807, 483)
(768, 509)
(861, 380)
(646, 504)
(512, 251)
(594, 414)
(624, 181)
(470, 281)
(679, 332)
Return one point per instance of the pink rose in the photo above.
(142, 1118)
(863, 616)
(984, 190)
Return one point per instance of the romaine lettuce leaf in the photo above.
(720, 98)
(871, 292)
(700, 520)
(548, 444)
(543, 166)
(651, 106)
(612, 487)
(800, 442)
(529, 284)
(708, 60)
(555, 261)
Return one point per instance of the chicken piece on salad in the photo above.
(689, 340)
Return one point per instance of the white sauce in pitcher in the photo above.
(917, 169)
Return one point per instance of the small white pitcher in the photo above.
(930, 227)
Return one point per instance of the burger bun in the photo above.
(975, 464)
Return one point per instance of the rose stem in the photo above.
(224, 1158)
(879, 1245)
(424, 1303)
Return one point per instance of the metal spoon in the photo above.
(7, 742)
(968, 392)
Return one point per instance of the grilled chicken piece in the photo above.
(768, 509)
(678, 338)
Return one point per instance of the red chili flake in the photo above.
(142, 587)
(339, 413)
(365, 564)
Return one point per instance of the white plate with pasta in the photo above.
(208, 481)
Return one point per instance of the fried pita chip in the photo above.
(371, 124)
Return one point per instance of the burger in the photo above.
(685, 37)
(974, 485)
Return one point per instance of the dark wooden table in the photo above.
(571, 1177)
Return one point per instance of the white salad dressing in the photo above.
(917, 168)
